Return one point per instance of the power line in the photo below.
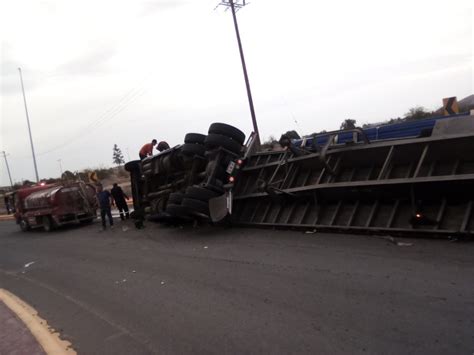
(107, 115)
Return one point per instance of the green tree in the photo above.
(416, 113)
(348, 124)
(68, 175)
(268, 144)
(117, 155)
(292, 134)
(316, 133)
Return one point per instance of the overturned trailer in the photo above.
(409, 178)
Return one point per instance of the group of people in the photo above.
(106, 199)
(147, 149)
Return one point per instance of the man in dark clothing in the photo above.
(119, 198)
(7, 204)
(162, 146)
(105, 199)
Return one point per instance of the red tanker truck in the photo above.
(53, 205)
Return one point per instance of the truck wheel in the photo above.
(194, 138)
(48, 223)
(218, 140)
(177, 210)
(132, 165)
(228, 131)
(217, 185)
(193, 149)
(200, 193)
(196, 205)
(175, 198)
(24, 225)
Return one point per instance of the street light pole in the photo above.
(60, 167)
(29, 127)
(233, 5)
(8, 168)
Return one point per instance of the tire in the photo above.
(175, 198)
(196, 205)
(24, 225)
(200, 193)
(218, 140)
(194, 138)
(216, 186)
(147, 165)
(228, 131)
(132, 165)
(177, 210)
(48, 223)
(193, 149)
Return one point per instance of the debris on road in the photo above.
(311, 231)
(394, 241)
(401, 244)
(30, 263)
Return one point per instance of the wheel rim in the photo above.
(23, 225)
(46, 224)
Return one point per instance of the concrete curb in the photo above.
(38, 327)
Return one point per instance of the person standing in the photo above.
(105, 200)
(119, 198)
(147, 149)
(7, 204)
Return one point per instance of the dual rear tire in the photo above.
(194, 201)
(228, 131)
(194, 144)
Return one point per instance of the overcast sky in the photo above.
(99, 73)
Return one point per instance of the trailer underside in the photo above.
(416, 186)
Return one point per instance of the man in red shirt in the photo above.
(147, 149)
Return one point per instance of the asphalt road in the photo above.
(237, 291)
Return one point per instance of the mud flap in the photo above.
(221, 206)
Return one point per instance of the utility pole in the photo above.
(8, 168)
(60, 167)
(29, 127)
(234, 6)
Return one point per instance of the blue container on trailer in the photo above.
(390, 131)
